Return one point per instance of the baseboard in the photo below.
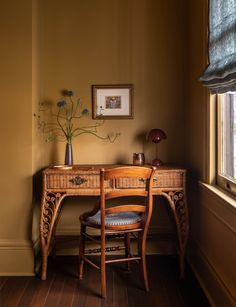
(16, 258)
(158, 242)
(23, 257)
(216, 290)
(75, 231)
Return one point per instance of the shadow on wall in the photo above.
(121, 159)
(37, 185)
(140, 138)
(35, 214)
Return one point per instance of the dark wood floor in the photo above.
(62, 288)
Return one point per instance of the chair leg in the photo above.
(103, 266)
(127, 249)
(81, 250)
(142, 254)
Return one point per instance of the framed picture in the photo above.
(112, 101)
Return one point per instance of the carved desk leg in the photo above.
(49, 212)
(179, 208)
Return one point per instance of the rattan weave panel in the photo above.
(167, 180)
(59, 181)
(89, 179)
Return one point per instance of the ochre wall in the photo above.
(212, 243)
(16, 138)
(112, 42)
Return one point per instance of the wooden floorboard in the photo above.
(63, 289)
(3, 279)
(12, 291)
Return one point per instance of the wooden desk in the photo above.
(59, 182)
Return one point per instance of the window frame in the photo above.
(222, 180)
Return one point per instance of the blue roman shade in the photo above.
(220, 74)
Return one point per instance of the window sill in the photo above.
(222, 196)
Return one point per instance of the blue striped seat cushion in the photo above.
(116, 219)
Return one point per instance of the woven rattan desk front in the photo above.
(62, 181)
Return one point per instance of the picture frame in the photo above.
(113, 101)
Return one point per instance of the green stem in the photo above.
(63, 130)
(72, 107)
(76, 108)
(111, 140)
(93, 127)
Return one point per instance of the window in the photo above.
(226, 141)
(220, 78)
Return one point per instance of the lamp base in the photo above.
(156, 162)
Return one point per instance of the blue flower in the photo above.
(61, 104)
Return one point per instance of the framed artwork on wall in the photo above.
(112, 101)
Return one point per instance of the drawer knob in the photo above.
(144, 180)
(78, 180)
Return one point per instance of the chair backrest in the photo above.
(130, 183)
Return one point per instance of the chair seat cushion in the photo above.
(116, 219)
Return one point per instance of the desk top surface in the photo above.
(95, 168)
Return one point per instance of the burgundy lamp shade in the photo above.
(156, 136)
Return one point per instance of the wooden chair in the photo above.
(124, 218)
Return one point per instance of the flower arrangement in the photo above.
(65, 122)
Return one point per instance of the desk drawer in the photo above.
(169, 180)
(74, 181)
(161, 180)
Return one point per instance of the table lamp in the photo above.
(156, 136)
